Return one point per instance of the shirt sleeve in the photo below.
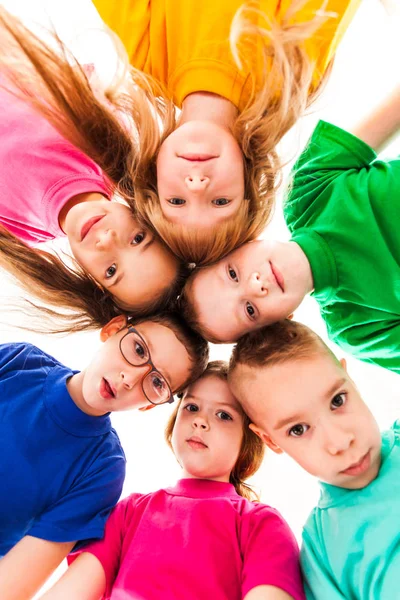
(109, 549)
(319, 581)
(81, 513)
(270, 553)
(332, 156)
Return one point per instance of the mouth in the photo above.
(197, 157)
(89, 224)
(107, 391)
(278, 277)
(196, 443)
(359, 467)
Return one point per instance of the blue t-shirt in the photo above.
(351, 541)
(61, 470)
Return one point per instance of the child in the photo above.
(50, 189)
(343, 217)
(62, 463)
(303, 402)
(206, 181)
(205, 537)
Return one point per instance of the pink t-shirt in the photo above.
(198, 540)
(39, 172)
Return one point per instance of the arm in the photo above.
(319, 581)
(380, 125)
(267, 592)
(25, 568)
(85, 579)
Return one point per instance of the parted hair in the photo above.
(97, 121)
(281, 342)
(252, 448)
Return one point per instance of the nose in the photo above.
(106, 239)
(256, 285)
(200, 423)
(336, 439)
(130, 377)
(197, 183)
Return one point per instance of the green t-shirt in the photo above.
(343, 209)
(351, 541)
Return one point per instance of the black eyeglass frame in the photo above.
(150, 363)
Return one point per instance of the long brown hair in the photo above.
(252, 449)
(128, 154)
(71, 300)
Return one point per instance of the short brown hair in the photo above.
(252, 448)
(283, 341)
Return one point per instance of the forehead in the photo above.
(213, 390)
(218, 304)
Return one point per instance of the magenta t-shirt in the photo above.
(198, 540)
(39, 172)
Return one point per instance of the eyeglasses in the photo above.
(135, 351)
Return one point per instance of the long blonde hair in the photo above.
(128, 155)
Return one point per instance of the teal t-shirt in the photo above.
(351, 541)
(343, 209)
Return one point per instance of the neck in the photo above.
(224, 478)
(75, 390)
(87, 197)
(203, 106)
(303, 267)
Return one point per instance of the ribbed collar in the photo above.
(203, 488)
(65, 412)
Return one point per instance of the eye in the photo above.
(232, 274)
(338, 401)
(158, 383)
(110, 272)
(224, 416)
(221, 202)
(176, 201)
(298, 430)
(138, 238)
(250, 310)
(140, 350)
(191, 407)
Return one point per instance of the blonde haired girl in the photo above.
(206, 179)
(205, 537)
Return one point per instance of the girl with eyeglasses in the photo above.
(62, 463)
(208, 536)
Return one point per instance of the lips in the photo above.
(88, 225)
(197, 157)
(107, 392)
(196, 443)
(277, 276)
(359, 467)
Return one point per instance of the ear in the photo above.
(112, 327)
(290, 317)
(265, 438)
(147, 407)
(343, 362)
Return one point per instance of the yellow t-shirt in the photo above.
(185, 44)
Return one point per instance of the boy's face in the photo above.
(208, 431)
(110, 383)
(259, 283)
(312, 410)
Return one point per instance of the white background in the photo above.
(365, 70)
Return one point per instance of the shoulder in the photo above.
(263, 519)
(24, 356)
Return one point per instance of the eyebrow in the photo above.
(298, 417)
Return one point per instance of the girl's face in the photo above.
(208, 431)
(200, 175)
(123, 256)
